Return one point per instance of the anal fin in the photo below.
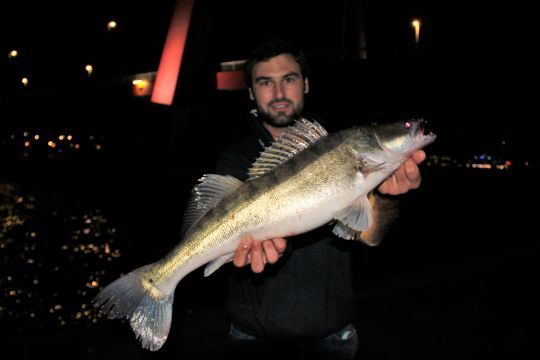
(215, 264)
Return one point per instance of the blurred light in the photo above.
(232, 65)
(36, 137)
(141, 87)
(111, 25)
(89, 69)
(24, 81)
(416, 25)
(13, 54)
(230, 80)
(481, 166)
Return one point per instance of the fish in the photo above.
(305, 179)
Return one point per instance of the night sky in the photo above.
(474, 70)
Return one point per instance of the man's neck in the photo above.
(273, 130)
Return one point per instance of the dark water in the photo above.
(460, 267)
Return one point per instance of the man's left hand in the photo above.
(406, 177)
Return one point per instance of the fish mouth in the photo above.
(420, 129)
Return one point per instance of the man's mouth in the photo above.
(280, 105)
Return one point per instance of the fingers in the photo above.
(406, 177)
(418, 156)
(280, 244)
(258, 253)
(273, 249)
(241, 255)
(412, 178)
(270, 252)
(257, 257)
(388, 186)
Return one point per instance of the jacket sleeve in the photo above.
(385, 213)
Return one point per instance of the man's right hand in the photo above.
(258, 253)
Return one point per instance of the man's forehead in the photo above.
(276, 66)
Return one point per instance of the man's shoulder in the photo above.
(247, 144)
(236, 158)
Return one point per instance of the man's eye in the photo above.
(289, 80)
(264, 83)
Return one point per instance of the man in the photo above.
(304, 304)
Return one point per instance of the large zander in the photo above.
(306, 179)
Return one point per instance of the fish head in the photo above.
(403, 137)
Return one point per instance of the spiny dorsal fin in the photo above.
(293, 140)
(205, 195)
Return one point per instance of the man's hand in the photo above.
(258, 253)
(406, 177)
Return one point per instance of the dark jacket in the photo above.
(308, 293)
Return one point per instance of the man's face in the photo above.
(278, 88)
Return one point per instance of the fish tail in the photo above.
(148, 308)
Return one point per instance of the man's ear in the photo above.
(306, 85)
(251, 97)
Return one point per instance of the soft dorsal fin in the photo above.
(293, 140)
(205, 195)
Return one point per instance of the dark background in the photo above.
(456, 277)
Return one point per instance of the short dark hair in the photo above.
(271, 48)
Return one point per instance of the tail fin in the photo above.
(149, 309)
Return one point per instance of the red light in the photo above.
(173, 51)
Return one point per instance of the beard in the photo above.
(281, 118)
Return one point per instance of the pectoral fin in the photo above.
(217, 263)
(357, 217)
(367, 165)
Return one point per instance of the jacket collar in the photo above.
(258, 129)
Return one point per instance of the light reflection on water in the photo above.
(53, 260)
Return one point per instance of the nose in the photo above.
(278, 91)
